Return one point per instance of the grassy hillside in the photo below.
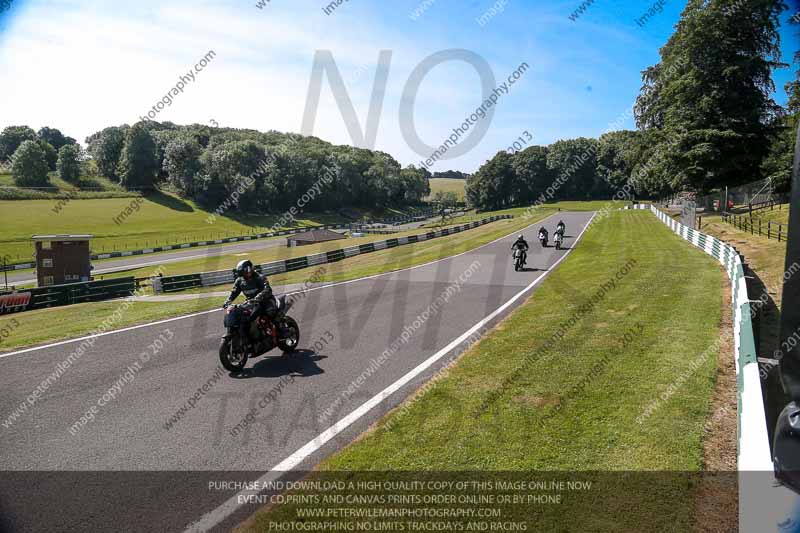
(160, 219)
(519, 401)
(89, 187)
(448, 185)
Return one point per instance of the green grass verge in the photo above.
(161, 219)
(76, 320)
(510, 405)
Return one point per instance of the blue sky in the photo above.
(83, 65)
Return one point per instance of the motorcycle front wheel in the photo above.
(233, 359)
(289, 343)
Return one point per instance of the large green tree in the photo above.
(231, 171)
(710, 94)
(50, 154)
(106, 148)
(182, 163)
(532, 174)
(69, 163)
(273, 170)
(778, 164)
(492, 187)
(54, 137)
(573, 164)
(415, 184)
(12, 137)
(29, 166)
(138, 163)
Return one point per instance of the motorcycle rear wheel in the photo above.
(232, 361)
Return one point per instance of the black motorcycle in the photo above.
(261, 335)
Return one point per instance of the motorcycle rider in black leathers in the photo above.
(543, 231)
(256, 288)
(523, 245)
(561, 227)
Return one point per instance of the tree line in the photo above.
(33, 154)
(208, 164)
(704, 115)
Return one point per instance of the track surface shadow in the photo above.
(301, 363)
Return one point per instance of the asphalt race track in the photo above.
(125, 471)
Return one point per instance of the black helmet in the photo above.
(243, 267)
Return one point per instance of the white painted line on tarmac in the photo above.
(213, 518)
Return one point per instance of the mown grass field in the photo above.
(448, 185)
(510, 404)
(90, 187)
(160, 219)
(76, 320)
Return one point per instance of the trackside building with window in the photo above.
(62, 259)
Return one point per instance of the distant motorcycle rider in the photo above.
(522, 244)
(561, 227)
(256, 288)
(543, 233)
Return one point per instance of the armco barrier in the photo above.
(68, 294)
(168, 247)
(221, 277)
(754, 450)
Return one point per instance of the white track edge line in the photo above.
(214, 517)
